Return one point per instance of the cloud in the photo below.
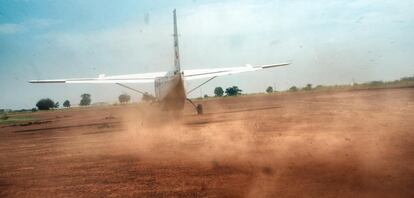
(10, 28)
(27, 25)
(233, 34)
(41, 22)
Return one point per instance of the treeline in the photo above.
(47, 103)
(86, 99)
(402, 82)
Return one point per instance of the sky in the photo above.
(327, 42)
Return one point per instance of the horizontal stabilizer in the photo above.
(209, 73)
(130, 78)
(150, 77)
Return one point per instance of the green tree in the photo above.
(269, 89)
(233, 91)
(66, 104)
(410, 78)
(45, 104)
(308, 87)
(57, 105)
(218, 91)
(86, 99)
(293, 88)
(124, 98)
(146, 97)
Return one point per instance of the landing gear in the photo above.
(198, 107)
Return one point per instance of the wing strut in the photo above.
(136, 90)
(201, 84)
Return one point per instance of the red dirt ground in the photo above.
(313, 144)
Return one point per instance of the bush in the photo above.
(86, 99)
(308, 87)
(4, 117)
(233, 91)
(293, 88)
(319, 87)
(124, 98)
(375, 83)
(66, 104)
(411, 78)
(269, 89)
(218, 91)
(45, 104)
(146, 97)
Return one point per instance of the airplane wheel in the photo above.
(199, 109)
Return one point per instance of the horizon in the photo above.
(327, 42)
(116, 102)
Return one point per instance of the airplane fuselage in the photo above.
(170, 91)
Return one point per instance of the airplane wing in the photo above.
(150, 77)
(130, 78)
(210, 73)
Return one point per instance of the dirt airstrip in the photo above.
(305, 144)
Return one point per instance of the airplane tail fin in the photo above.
(176, 51)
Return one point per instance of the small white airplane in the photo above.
(169, 86)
